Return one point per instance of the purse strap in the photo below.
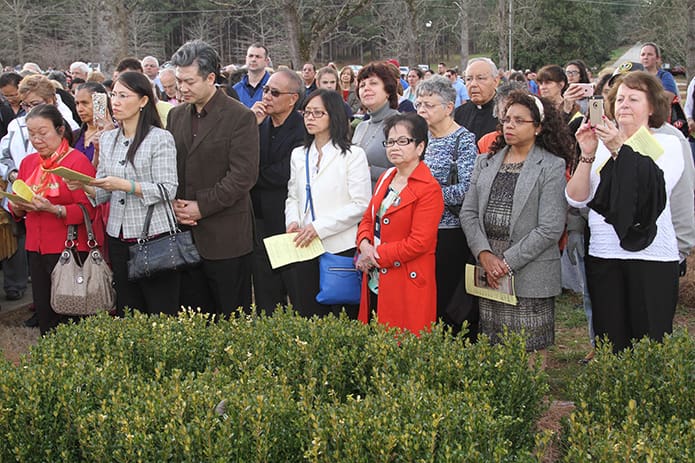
(309, 199)
(72, 231)
(169, 212)
(453, 167)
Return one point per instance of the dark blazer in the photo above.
(539, 208)
(218, 169)
(270, 192)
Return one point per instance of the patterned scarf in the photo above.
(41, 181)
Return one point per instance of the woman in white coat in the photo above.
(339, 179)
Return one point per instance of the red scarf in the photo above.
(44, 183)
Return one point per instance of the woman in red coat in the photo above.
(54, 207)
(398, 233)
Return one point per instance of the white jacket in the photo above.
(341, 190)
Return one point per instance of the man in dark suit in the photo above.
(217, 151)
(481, 82)
(281, 129)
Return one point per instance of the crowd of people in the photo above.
(549, 180)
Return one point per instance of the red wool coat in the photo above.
(407, 285)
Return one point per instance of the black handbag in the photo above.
(453, 177)
(82, 288)
(172, 251)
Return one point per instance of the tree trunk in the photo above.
(690, 41)
(464, 40)
(502, 25)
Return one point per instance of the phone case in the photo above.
(99, 108)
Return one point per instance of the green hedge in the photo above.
(259, 389)
(635, 406)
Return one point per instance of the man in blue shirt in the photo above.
(459, 86)
(250, 87)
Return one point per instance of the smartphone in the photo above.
(596, 110)
(99, 109)
(587, 89)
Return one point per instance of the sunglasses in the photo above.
(275, 93)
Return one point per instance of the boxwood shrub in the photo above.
(266, 389)
(638, 405)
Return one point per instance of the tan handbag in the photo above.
(82, 288)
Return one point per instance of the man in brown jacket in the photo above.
(217, 150)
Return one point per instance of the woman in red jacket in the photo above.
(398, 233)
(53, 206)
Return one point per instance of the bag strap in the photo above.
(168, 209)
(455, 155)
(309, 199)
(72, 231)
(169, 212)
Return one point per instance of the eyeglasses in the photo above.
(28, 105)
(479, 78)
(572, 73)
(427, 106)
(515, 121)
(318, 114)
(400, 141)
(40, 136)
(275, 93)
(121, 96)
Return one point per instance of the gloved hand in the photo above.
(683, 268)
(575, 243)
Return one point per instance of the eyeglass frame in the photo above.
(318, 114)
(515, 122)
(390, 143)
(29, 106)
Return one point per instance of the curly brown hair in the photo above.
(554, 135)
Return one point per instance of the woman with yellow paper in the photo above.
(53, 206)
(625, 176)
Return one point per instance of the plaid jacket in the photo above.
(155, 162)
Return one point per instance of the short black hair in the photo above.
(10, 78)
(200, 53)
(129, 64)
(416, 125)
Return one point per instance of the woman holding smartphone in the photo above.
(135, 158)
(87, 137)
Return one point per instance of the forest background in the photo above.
(54, 33)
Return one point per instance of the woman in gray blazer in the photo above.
(514, 214)
(134, 159)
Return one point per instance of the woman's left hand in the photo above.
(609, 134)
(111, 183)
(305, 236)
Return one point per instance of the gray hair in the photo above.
(503, 92)
(167, 71)
(81, 66)
(437, 85)
(199, 52)
(488, 61)
(150, 58)
(296, 82)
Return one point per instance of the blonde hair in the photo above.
(36, 83)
